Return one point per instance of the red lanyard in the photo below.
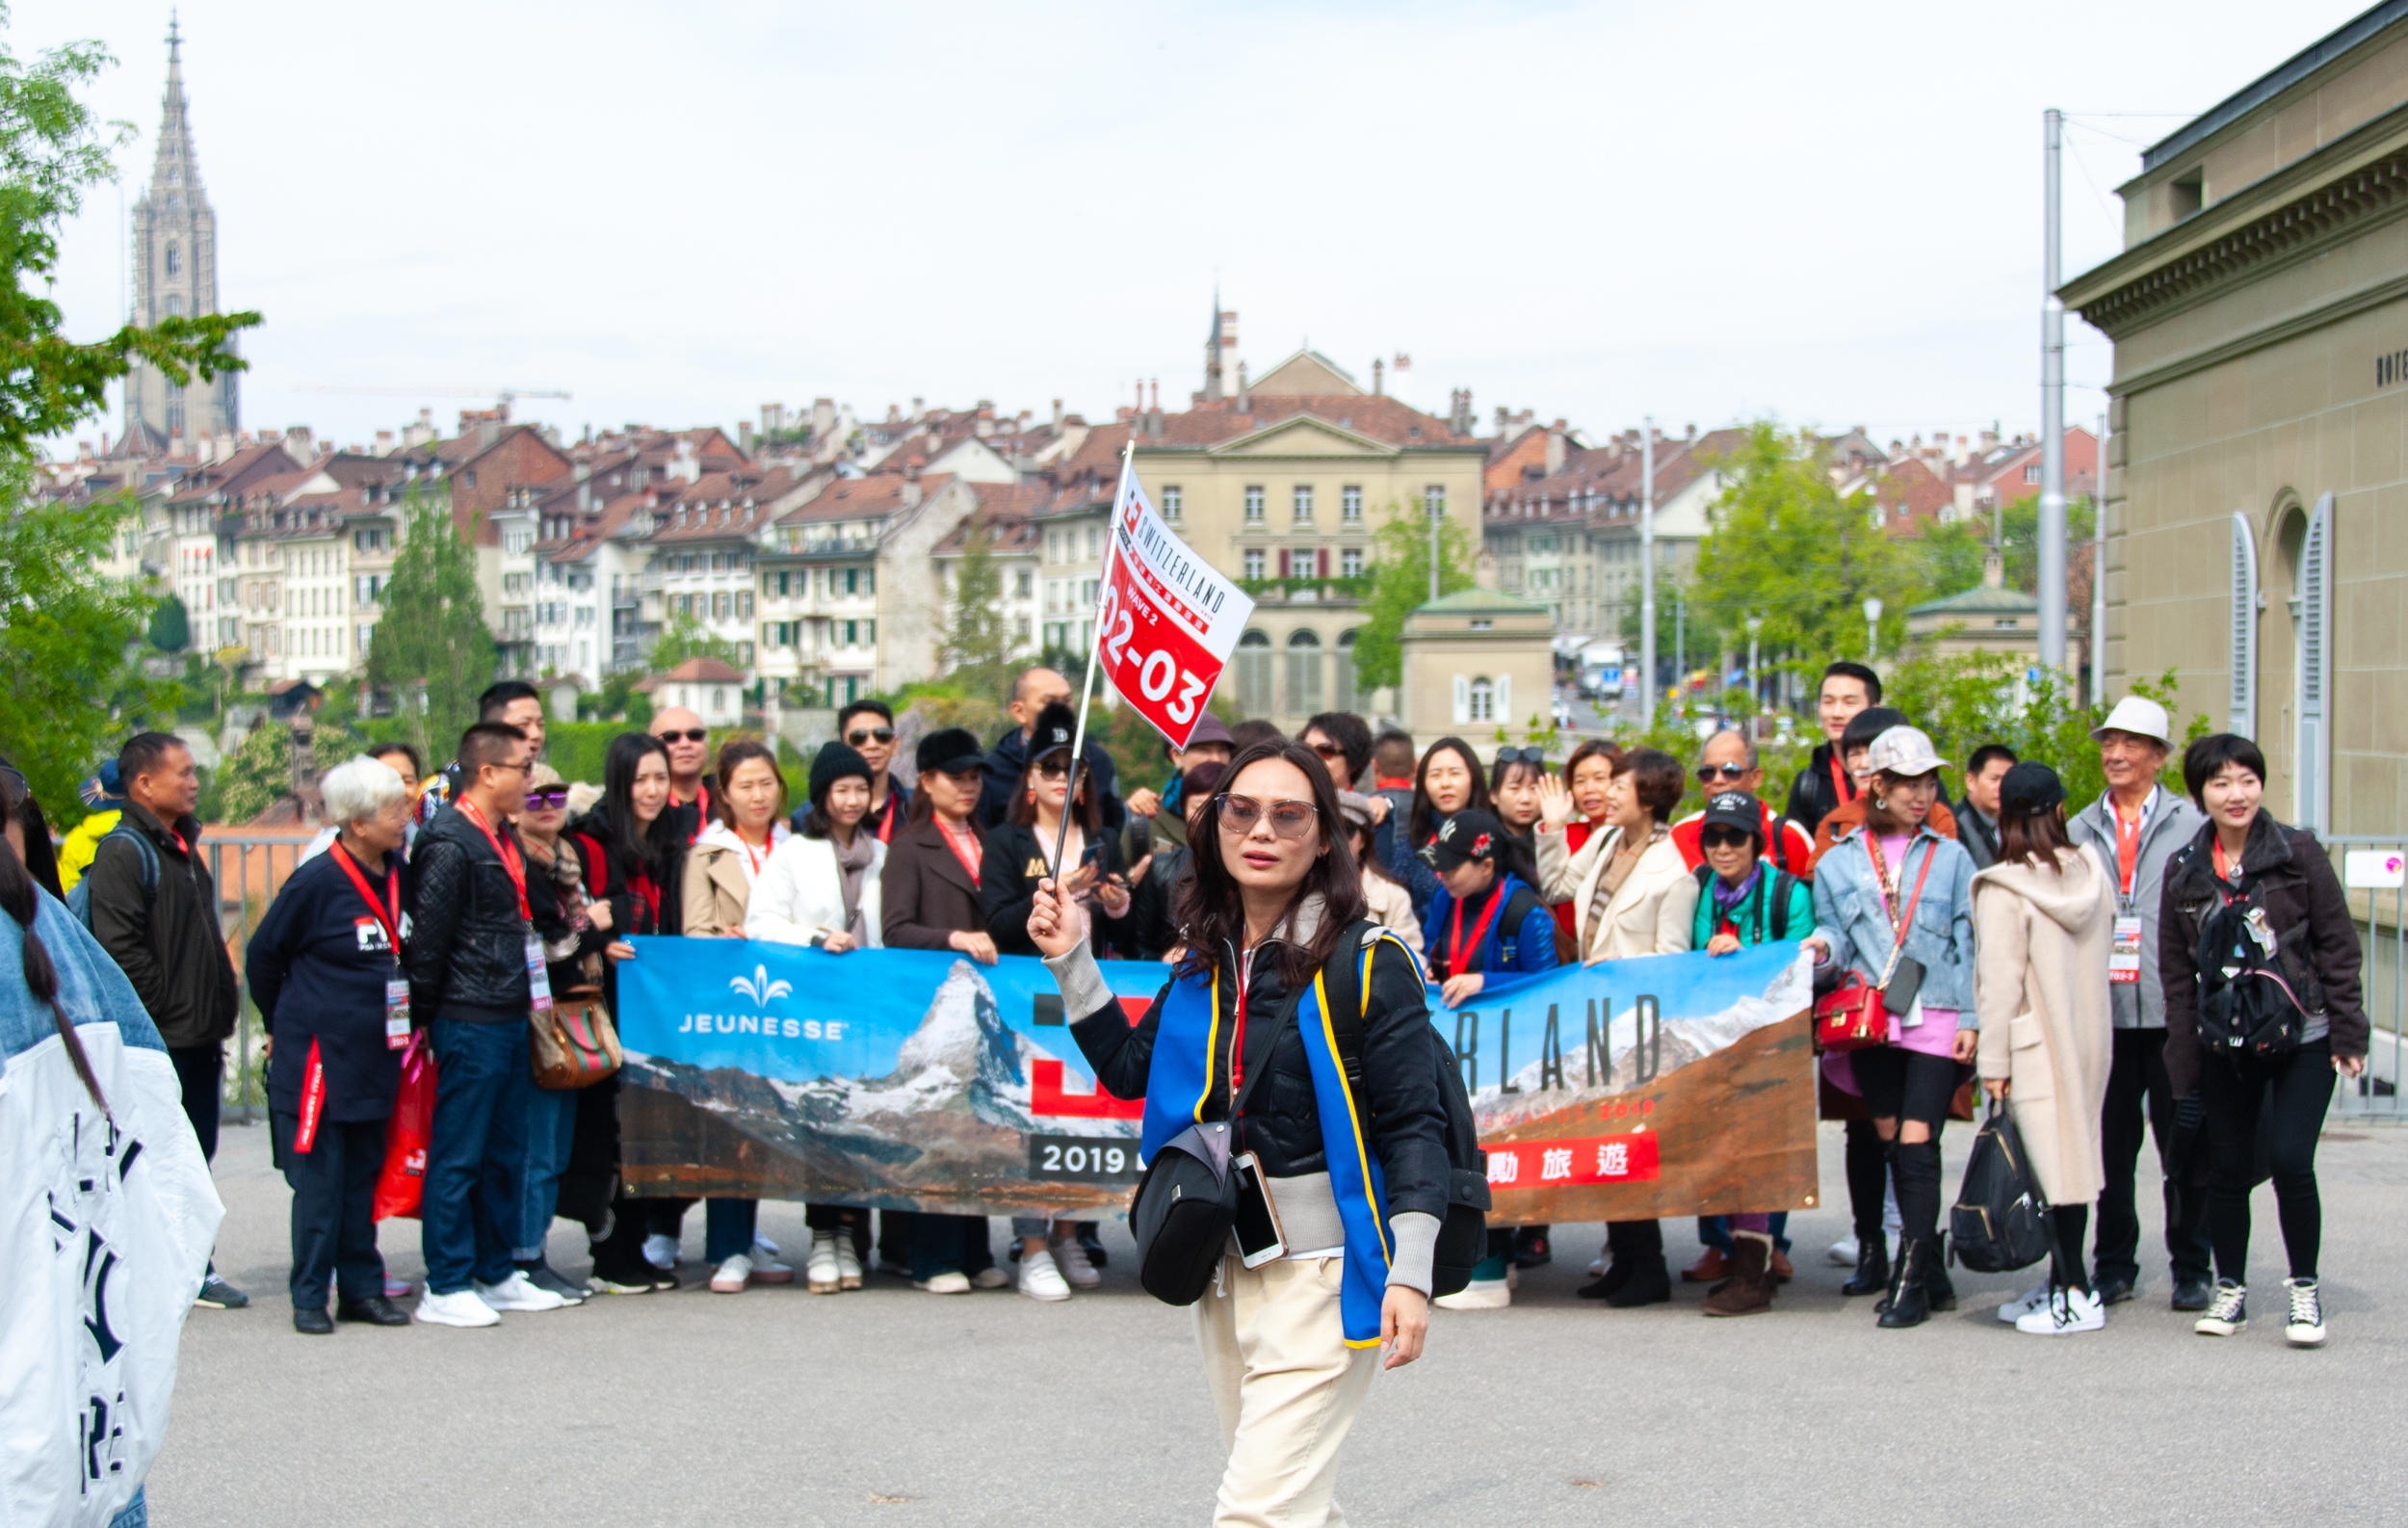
(886, 818)
(756, 861)
(2127, 846)
(1479, 930)
(391, 921)
(1841, 781)
(508, 852)
(2223, 866)
(1237, 1032)
(971, 858)
(1900, 921)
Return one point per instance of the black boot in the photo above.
(1910, 1301)
(1620, 1263)
(1872, 1265)
(1936, 1282)
(1650, 1283)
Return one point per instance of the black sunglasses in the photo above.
(550, 797)
(691, 734)
(1724, 838)
(882, 734)
(1535, 757)
(1708, 773)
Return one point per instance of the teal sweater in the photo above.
(1754, 918)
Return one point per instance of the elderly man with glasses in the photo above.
(1730, 763)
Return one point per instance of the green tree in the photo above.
(1788, 548)
(683, 637)
(433, 649)
(1952, 553)
(171, 630)
(1399, 580)
(258, 773)
(51, 148)
(977, 647)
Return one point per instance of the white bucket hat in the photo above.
(1905, 752)
(2137, 716)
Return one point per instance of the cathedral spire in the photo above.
(175, 166)
(1212, 350)
(176, 275)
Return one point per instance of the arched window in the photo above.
(1342, 696)
(1304, 671)
(1483, 698)
(174, 260)
(1253, 668)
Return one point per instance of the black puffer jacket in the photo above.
(1814, 795)
(468, 942)
(168, 940)
(2284, 871)
(1282, 1124)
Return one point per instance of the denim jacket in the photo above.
(1851, 917)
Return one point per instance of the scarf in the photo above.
(853, 862)
(1729, 899)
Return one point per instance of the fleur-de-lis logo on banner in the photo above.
(759, 986)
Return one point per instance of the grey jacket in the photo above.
(1851, 916)
(2173, 823)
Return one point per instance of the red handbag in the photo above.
(403, 1181)
(1853, 1016)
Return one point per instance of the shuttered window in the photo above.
(2243, 652)
(2315, 671)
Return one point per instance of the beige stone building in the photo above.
(2257, 488)
(1476, 663)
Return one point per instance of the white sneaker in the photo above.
(848, 1262)
(2306, 1327)
(660, 1252)
(460, 1309)
(819, 1270)
(1041, 1279)
(954, 1283)
(1072, 1259)
(2063, 1312)
(1844, 1252)
(990, 1277)
(732, 1276)
(2228, 1312)
(2035, 1299)
(1598, 1264)
(1480, 1294)
(519, 1293)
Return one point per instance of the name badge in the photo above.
(2124, 953)
(538, 980)
(396, 1014)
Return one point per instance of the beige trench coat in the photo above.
(1649, 914)
(2040, 992)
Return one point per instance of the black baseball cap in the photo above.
(1470, 835)
(2031, 789)
(1734, 809)
(949, 751)
(1055, 726)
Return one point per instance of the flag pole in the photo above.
(1087, 690)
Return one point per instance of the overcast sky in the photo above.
(677, 213)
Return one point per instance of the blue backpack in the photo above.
(79, 900)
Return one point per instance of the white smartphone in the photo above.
(1259, 1238)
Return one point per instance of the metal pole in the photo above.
(1432, 510)
(1094, 645)
(1647, 567)
(2098, 570)
(1680, 649)
(2052, 408)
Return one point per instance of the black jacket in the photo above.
(467, 953)
(2284, 871)
(1008, 877)
(1153, 924)
(1813, 794)
(166, 939)
(317, 964)
(644, 890)
(1405, 1118)
(1008, 765)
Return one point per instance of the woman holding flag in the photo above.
(1243, 1029)
(325, 971)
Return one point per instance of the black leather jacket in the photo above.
(1405, 1118)
(467, 943)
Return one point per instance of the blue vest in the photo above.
(1179, 1080)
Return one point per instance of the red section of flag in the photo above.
(1160, 665)
(1587, 1159)
(1047, 1101)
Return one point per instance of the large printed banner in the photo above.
(917, 1079)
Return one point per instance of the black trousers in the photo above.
(2286, 1102)
(2136, 1085)
(1901, 1084)
(202, 1071)
(334, 1201)
(2065, 1268)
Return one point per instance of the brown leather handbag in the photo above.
(574, 1046)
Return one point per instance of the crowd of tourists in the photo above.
(2071, 961)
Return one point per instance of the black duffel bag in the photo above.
(1999, 1222)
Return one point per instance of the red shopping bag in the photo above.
(404, 1179)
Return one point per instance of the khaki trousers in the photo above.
(1287, 1388)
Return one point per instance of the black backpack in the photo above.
(1776, 897)
(1464, 1233)
(2246, 1004)
(1999, 1222)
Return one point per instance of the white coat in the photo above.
(800, 895)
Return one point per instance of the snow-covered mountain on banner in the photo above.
(963, 1058)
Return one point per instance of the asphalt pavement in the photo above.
(889, 1406)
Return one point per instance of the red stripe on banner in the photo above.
(1047, 1099)
(1135, 1007)
(1587, 1159)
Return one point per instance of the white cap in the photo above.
(2142, 718)
(1903, 751)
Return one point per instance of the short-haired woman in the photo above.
(1631, 895)
(323, 966)
(821, 888)
(2264, 896)
(1893, 907)
(726, 860)
(1275, 906)
(576, 935)
(2044, 918)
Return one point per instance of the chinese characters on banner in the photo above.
(1167, 622)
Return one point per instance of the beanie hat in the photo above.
(836, 761)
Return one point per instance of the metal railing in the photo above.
(2382, 916)
(249, 870)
